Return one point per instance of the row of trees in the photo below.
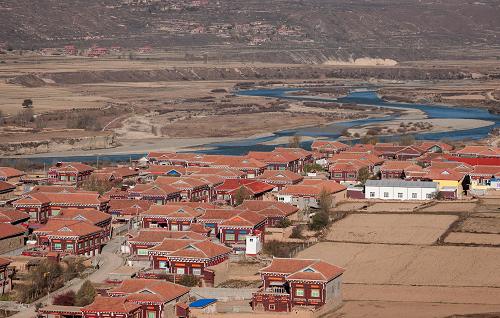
(48, 276)
(83, 297)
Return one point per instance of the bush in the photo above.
(66, 299)
(85, 294)
(283, 223)
(277, 248)
(189, 281)
(297, 232)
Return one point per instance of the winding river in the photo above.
(332, 131)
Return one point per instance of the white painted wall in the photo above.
(399, 193)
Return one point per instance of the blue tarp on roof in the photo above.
(201, 303)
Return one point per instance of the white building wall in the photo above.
(399, 193)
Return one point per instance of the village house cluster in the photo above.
(189, 215)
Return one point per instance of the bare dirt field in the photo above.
(384, 309)
(454, 207)
(473, 238)
(411, 264)
(390, 228)
(350, 206)
(480, 225)
(390, 207)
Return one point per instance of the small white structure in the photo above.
(253, 245)
(395, 189)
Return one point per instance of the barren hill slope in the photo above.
(400, 29)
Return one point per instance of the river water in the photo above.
(333, 131)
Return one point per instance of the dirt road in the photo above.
(109, 259)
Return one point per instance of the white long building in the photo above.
(395, 189)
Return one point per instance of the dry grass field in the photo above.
(391, 228)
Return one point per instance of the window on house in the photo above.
(175, 227)
(242, 236)
(151, 314)
(142, 251)
(162, 264)
(63, 178)
(299, 292)
(351, 176)
(69, 246)
(57, 246)
(315, 293)
(372, 194)
(79, 245)
(180, 270)
(428, 195)
(337, 175)
(272, 307)
(229, 236)
(386, 194)
(159, 202)
(400, 195)
(72, 178)
(413, 195)
(197, 271)
(56, 212)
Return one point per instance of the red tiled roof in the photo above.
(218, 214)
(313, 187)
(68, 228)
(254, 186)
(394, 165)
(487, 171)
(173, 211)
(244, 219)
(164, 170)
(158, 235)
(71, 166)
(143, 289)
(111, 305)
(9, 230)
(36, 198)
(182, 183)
(192, 249)
(429, 144)
(128, 206)
(224, 173)
(475, 161)
(347, 165)
(56, 189)
(91, 215)
(8, 172)
(5, 261)
(368, 158)
(5, 186)
(154, 189)
(328, 145)
(12, 215)
(303, 269)
(273, 157)
(443, 174)
(119, 172)
(301, 153)
(280, 177)
(480, 151)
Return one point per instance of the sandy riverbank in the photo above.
(434, 125)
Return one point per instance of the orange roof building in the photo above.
(288, 282)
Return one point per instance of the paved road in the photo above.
(109, 260)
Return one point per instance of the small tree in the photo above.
(65, 299)
(295, 141)
(297, 232)
(321, 219)
(283, 223)
(27, 103)
(189, 281)
(363, 175)
(311, 167)
(241, 195)
(95, 184)
(85, 294)
(407, 140)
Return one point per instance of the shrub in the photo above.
(189, 281)
(85, 294)
(66, 299)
